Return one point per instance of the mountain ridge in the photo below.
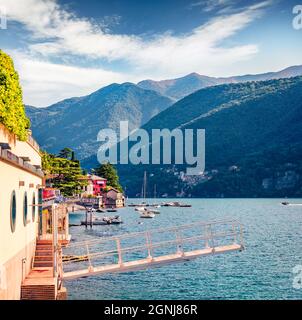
(75, 122)
(254, 128)
(180, 87)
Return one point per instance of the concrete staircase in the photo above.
(44, 254)
(40, 283)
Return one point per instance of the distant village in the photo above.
(94, 193)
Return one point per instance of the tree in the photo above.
(12, 111)
(107, 171)
(66, 153)
(67, 174)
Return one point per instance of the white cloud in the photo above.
(58, 33)
(45, 83)
(210, 5)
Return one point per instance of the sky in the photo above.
(63, 49)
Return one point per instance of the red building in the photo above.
(99, 184)
(95, 186)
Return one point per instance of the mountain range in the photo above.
(181, 87)
(253, 131)
(253, 142)
(76, 122)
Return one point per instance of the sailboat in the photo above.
(144, 212)
(155, 205)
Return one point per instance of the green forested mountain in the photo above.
(253, 142)
(76, 122)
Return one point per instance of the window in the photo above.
(13, 212)
(34, 208)
(25, 209)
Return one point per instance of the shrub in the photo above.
(12, 111)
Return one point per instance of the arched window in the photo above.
(25, 209)
(34, 208)
(13, 212)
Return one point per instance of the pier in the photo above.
(154, 248)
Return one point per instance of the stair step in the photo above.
(41, 247)
(44, 242)
(43, 264)
(43, 258)
(44, 253)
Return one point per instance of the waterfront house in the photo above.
(30, 224)
(114, 198)
(20, 182)
(95, 186)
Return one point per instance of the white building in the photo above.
(20, 182)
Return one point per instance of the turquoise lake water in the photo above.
(264, 270)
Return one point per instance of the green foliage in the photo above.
(108, 172)
(12, 112)
(66, 153)
(66, 173)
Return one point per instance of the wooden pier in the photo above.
(153, 248)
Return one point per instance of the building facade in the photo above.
(95, 186)
(114, 199)
(20, 184)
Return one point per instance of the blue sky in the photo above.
(67, 48)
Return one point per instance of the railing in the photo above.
(33, 142)
(59, 259)
(12, 158)
(154, 244)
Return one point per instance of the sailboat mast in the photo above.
(145, 185)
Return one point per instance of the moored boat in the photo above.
(147, 215)
(103, 221)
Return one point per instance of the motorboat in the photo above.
(140, 209)
(154, 211)
(155, 205)
(103, 221)
(147, 215)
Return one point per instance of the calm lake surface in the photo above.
(273, 241)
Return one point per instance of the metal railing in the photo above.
(33, 142)
(154, 243)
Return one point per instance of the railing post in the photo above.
(120, 257)
(90, 269)
(54, 238)
(179, 242)
(66, 223)
(212, 236)
(241, 236)
(234, 232)
(206, 227)
(149, 245)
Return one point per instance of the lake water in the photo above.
(264, 270)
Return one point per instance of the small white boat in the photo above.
(154, 211)
(140, 209)
(291, 204)
(155, 205)
(147, 215)
(103, 221)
